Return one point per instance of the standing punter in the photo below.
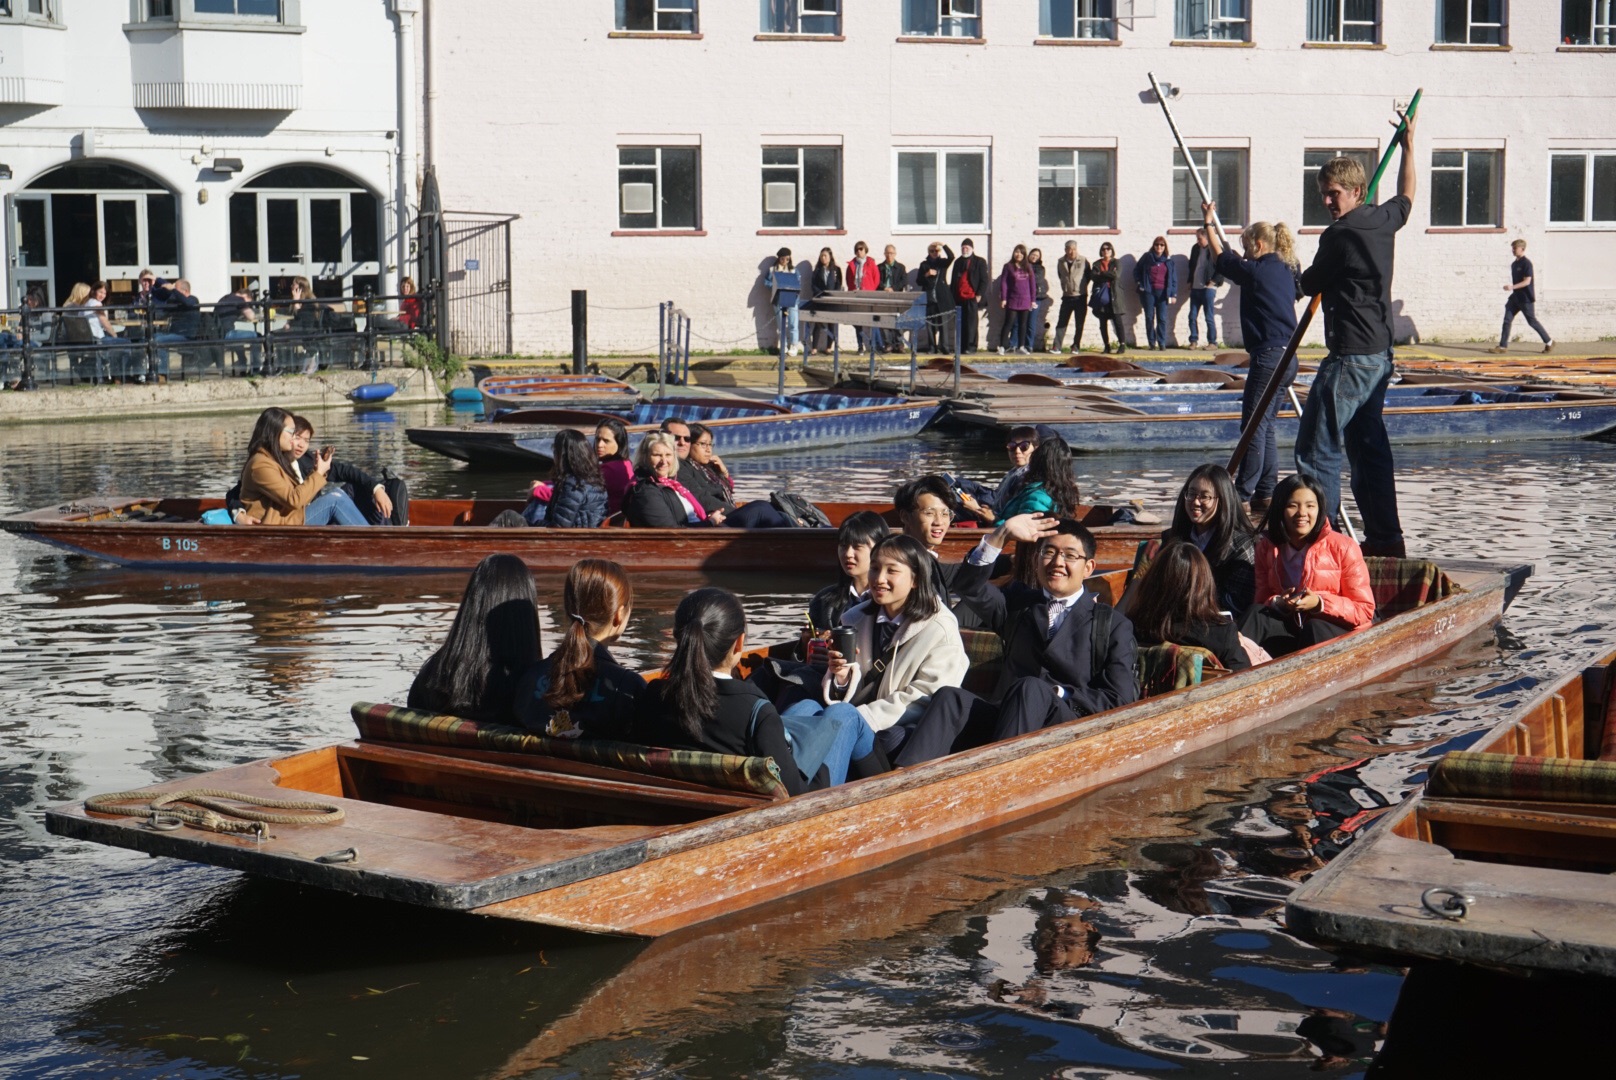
(1353, 269)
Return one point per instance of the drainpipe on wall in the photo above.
(429, 48)
(404, 189)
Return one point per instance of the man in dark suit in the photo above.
(894, 277)
(969, 280)
(1054, 668)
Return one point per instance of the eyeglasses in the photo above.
(1069, 556)
(705, 444)
(1021, 445)
(1207, 498)
(292, 431)
(680, 438)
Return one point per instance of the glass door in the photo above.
(122, 221)
(31, 263)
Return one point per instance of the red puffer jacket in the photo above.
(1333, 567)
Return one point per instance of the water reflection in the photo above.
(1133, 933)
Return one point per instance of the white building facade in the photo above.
(217, 140)
(664, 149)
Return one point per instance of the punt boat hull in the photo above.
(652, 879)
(557, 392)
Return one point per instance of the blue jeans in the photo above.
(853, 738)
(1342, 417)
(1202, 300)
(333, 507)
(1156, 318)
(1259, 469)
(256, 352)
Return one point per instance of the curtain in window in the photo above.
(1193, 19)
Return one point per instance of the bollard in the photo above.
(957, 325)
(780, 383)
(580, 330)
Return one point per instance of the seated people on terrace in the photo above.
(580, 689)
(274, 489)
(1312, 583)
(494, 640)
(855, 539)
(1174, 603)
(575, 497)
(1209, 515)
(1048, 486)
(616, 470)
(1065, 654)
(698, 704)
(658, 499)
(906, 648)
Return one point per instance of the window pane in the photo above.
(31, 232)
(325, 230)
(636, 14)
(1452, 26)
(1447, 197)
(1481, 189)
(162, 230)
(364, 223)
(267, 8)
(215, 7)
(637, 155)
(243, 227)
(118, 232)
(920, 17)
(1055, 18)
(1057, 206)
(1604, 188)
(780, 218)
(780, 155)
(1576, 19)
(1186, 197)
(1567, 177)
(917, 189)
(680, 197)
(1447, 159)
(281, 229)
(1228, 186)
(677, 22)
(963, 188)
(822, 188)
(646, 177)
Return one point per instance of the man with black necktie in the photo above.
(1055, 669)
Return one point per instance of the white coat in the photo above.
(929, 657)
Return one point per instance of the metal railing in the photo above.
(673, 346)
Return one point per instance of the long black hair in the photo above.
(862, 527)
(923, 601)
(1051, 466)
(572, 455)
(266, 436)
(619, 435)
(1230, 526)
(494, 638)
(1175, 594)
(1274, 525)
(705, 626)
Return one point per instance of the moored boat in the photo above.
(611, 838)
(1506, 859)
(557, 391)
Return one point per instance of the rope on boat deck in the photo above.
(161, 809)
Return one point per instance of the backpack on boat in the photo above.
(799, 511)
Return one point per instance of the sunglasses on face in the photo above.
(681, 438)
(1018, 446)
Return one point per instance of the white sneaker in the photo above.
(1001, 350)
(1024, 351)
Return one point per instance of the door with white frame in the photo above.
(305, 221)
(29, 226)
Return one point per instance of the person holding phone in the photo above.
(274, 491)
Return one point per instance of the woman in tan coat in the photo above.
(273, 489)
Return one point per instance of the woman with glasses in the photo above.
(705, 474)
(1105, 299)
(1208, 513)
(273, 490)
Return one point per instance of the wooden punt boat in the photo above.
(524, 440)
(557, 392)
(1504, 860)
(451, 534)
(574, 842)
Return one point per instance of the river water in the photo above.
(1136, 933)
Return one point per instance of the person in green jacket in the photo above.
(1048, 487)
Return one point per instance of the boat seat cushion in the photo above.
(1463, 774)
(1401, 585)
(1161, 669)
(392, 723)
(984, 650)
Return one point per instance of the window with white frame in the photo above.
(1582, 188)
(1354, 22)
(1314, 212)
(280, 12)
(816, 17)
(1588, 22)
(1223, 172)
(1078, 20)
(658, 187)
(1465, 188)
(937, 188)
(657, 16)
(32, 11)
(802, 187)
(1471, 22)
(1074, 189)
(942, 18)
(1212, 20)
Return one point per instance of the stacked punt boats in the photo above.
(599, 392)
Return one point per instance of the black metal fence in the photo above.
(151, 342)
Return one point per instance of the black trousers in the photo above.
(939, 330)
(1070, 306)
(1280, 635)
(398, 491)
(1106, 322)
(969, 324)
(956, 719)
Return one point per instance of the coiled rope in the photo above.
(216, 814)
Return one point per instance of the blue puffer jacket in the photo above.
(575, 505)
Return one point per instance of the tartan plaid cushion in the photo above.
(1508, 776)
(1161, 669)
(1402, 585)
(759, 776)
(985, 651)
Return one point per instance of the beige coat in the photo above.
(273, 497)
(929, 657)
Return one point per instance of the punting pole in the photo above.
(1302, 324)
(1200, 185)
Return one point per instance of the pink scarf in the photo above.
(679, 489)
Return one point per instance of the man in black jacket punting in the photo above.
(1054, 669)
(969, 280)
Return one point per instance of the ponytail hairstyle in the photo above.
(596, 589)
(266, 436)
(705, 626)
(1051, 466)
(572, 455)
(1276, 238)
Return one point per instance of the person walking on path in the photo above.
(1268, 295)
(1073, 271)
(1353, 272)
(931, 278)
(1204, 282)
(1522, 299)
(969, 280)
(1157, 279)
(1018, 294)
